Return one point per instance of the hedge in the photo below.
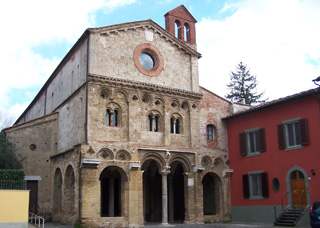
(11, 174)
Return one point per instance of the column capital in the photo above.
(165, 170)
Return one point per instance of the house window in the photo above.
(210, 132)
(255, 185)
(293, 134)
(252, 142)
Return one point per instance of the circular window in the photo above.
(33, 147)
(146, 61)
(275, 184)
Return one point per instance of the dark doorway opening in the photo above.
(176, 192)
(209, 194)
(110, 179)
(152, 192)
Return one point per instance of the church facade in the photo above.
(122, 134)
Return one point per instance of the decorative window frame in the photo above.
(153, 115)
(176, 117)
(113, 107)
(156, 56)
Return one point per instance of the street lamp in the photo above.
(316, 80)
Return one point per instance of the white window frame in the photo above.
(286, 123)
(251, 184)
(248, 132)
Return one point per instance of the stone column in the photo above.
(111, 197)
(164, 174)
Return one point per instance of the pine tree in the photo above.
(9, 159)
(243, 85)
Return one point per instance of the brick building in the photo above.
(121, 133)
(274, 153)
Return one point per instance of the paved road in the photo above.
(215, 225)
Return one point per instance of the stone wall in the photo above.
(111, 54)
(37, 141)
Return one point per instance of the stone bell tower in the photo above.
(181, 24)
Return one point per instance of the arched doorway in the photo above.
(176, 192)
(298, 189)
(69, 193)
(57, 195)
(211, 194)
(152, 191)
(111, 183)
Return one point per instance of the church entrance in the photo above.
(110, 179)
(176, 193)
(152, 192)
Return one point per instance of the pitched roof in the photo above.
(275, 103)
(177, 11)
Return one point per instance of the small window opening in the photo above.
(186, 32)
(178, 29)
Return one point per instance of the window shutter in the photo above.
(262, 140)
(246, 189)
(243, 143)
(304, 132)
(265, 184)
(281, 137)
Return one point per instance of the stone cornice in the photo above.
(142, 85)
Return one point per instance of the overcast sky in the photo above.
(279, 40)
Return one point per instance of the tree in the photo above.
(5, 120)
(243, 85)
(9, 159)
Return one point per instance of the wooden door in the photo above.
(298, 189)
(33, 196)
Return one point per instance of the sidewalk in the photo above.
(215, 225)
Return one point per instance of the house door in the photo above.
(298, 189)
(33, 197)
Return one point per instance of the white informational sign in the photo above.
(190, 182)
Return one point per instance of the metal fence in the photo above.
(13, 185)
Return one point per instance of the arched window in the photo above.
(175, 126)
(156, 123)
(115, 118)
(178, 29)
(108, 117)
(112, 118)
(153, 123)
(211, 132)
(186, 32)
(150, 122)
(172, 125)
